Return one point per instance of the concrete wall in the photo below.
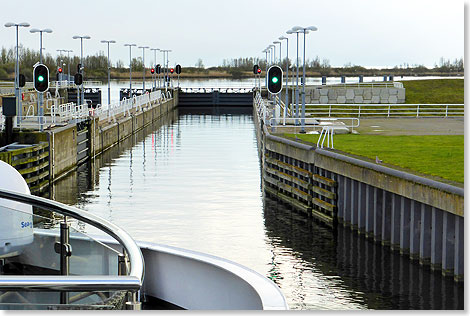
(419, 217)
(353, 95)
(102, 135)
(63, 150)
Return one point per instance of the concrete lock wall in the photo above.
(421, 218)
(102, 135)
(353, 95)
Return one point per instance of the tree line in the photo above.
(96, 65)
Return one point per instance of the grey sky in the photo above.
(362, 32)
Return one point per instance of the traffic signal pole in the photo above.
(40, 94)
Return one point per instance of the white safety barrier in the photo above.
(386, 110)
(125, 105)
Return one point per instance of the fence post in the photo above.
(417, 111)
(447, 108)
(388, 115)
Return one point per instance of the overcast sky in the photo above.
(360, 32)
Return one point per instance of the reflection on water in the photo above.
(350, 268)
(192, 180)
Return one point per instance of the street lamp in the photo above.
(130, 68)
(60, 53)
(17, 69)
(280, 57)
(165, 63)
(81, 63)
(154, 65)
(143, 63)
(40, 94)
(287, 76)
(109, 72)
(297, 69)
(304, 30)
(68, 51)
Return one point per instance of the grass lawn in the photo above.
(441, 156)
(434, 91)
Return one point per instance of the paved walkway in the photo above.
(412, 126)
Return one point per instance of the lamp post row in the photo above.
(40, 95)
(295, 30)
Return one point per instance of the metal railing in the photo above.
(386, 110)
(136, 102)
(131, 282)
(221, 90)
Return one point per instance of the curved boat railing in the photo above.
(131, 282)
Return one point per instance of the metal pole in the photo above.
(266, 73)
(302, 128)
(68, 67)
(81, 62)
(109, 79)
(40, 94)
(143, 64)
(287, 76)
(130, 71)
(297, 83)
(17, 86)
(65, 253)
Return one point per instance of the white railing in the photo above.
(68, 111)
(63, 113)
(386, 110)
(212, 89)
(372, 84)
(137, 102)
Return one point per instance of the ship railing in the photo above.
(128, 267)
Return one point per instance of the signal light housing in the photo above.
(158, 69)
(21, 80)
(274, 79)
(255, 69)
(78, 79)
(41, 78)
(178, 69)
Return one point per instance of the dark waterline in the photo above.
(195, 183)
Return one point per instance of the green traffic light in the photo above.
(274, 79)
(40, 78)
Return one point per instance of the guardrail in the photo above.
(125, 105)
(130, 282)
(386, 110)
(221, 90)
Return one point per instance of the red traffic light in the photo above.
(60, 70)
(172, 70)
(259, 70)
(152, 71)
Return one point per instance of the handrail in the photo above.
(387, 109)
(131, 282)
